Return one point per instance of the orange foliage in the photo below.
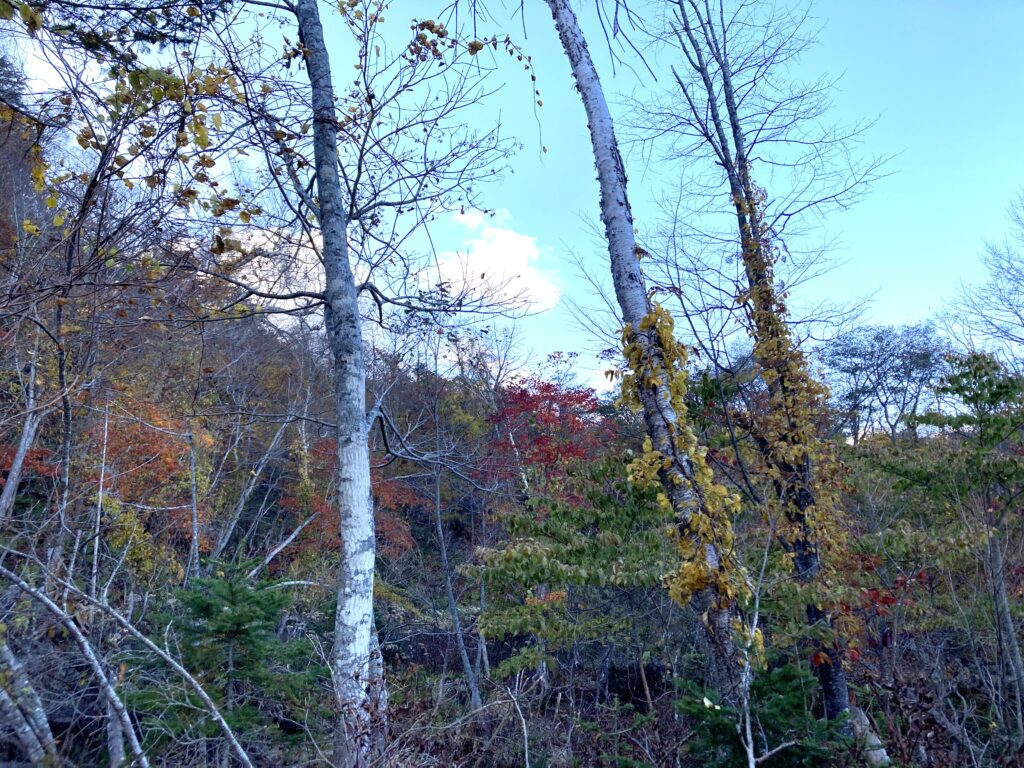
(556, 597)
(391, 498)
(150, 467)
(38, 461)
(394, 537)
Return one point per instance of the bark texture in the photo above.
(25, 442)
(21, 711)
(355, 658)
(33, 418)
(660, 418)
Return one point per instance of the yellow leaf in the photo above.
(29, 227)
(202, 135)
(31, 17)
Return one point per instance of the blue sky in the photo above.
(941, 76)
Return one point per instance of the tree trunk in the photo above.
(872, 749)
(453, 606)
(1007, 628)
(660, 417)
(94, 574)
(192, 567)
(28, 437)
(785, 434)
(10, 492)
(22, 711)
(115, 739)
(831, 675)
(355, 662)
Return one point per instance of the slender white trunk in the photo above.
(355, 659)
(281, 546)
(28, 437)
(10, 492)
(115, 738)
(95, 574)
(192, 567)
(22, 711)
(660, 418)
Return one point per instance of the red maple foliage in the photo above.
(147, 464)
(545, 427)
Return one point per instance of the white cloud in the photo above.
(598, 380)
(500, 260)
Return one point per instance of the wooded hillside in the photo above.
(281, 486)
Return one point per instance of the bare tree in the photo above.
(733, 101)
(990, 314)
(883, 377)
(737, 108)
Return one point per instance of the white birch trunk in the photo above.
(192, 567)
(115, 738)
(22, 711)
(95, 574)
(355, 659)
(281, 546)
(660, 417)
(10, 492)
(28, 436)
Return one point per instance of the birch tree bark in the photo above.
(33, 418)
(115, 738)
(355, 658)
(22, 711)
(677, 473)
